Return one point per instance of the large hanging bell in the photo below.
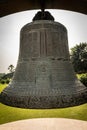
(44, 77)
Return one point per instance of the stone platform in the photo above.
(46, 124)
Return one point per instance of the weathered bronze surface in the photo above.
(44, 77)
(12, 6)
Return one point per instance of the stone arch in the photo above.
(12, 6)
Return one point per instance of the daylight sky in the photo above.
(76, 24)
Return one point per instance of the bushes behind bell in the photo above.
(83, 78)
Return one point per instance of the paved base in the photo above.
(46, 124)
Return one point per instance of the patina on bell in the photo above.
(44, 77)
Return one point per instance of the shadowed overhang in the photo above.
(12, 6)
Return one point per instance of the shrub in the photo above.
(2, 81)
(7, 81)
(83, 78)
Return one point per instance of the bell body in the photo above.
(44, 77)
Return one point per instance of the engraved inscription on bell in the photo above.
(44, 77)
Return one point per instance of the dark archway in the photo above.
(12, 6)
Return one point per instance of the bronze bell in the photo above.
(44, 77)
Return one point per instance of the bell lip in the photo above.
(39, 103)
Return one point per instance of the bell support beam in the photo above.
(13, 6)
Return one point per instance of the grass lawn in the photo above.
(9, 114)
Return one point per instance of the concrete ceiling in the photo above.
(12, 6)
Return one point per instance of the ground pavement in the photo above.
(46, 124)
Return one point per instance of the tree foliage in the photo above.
(11, 68)
(6, 78)
(79, 57)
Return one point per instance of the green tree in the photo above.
(79, 57)
(11, 68)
